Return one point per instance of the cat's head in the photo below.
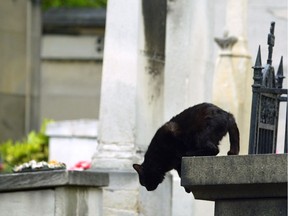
(148, 178)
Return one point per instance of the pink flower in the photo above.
(81, 165)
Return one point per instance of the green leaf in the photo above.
(32, 147)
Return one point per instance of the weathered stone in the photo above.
(118, 212)
(58, 193)
(45, 179)
(239, 185)
(121, 199)
(261, 207)
(123, 180)
(125, 196)
(240, 176)
(22, 203)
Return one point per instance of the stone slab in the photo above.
(232, 177)
(51, 179)
(254, 207)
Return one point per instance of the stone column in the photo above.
(188, 80)
(189, 51)
(118, 90)
(33, 81)
(131, 105)
(150, 81)
(237, 26)
(235, 72)
(225, 93)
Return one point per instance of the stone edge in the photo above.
(52, 179)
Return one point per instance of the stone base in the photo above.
(125, 197)
(52, 193)
(253, 185)
(62, 201)
(114, 157)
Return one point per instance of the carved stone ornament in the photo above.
(226, 42)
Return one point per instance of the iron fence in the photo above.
(268, 92)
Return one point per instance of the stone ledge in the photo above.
(51, 179)
(234, 177)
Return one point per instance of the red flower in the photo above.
(81, 165)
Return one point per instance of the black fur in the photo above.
(194, 132)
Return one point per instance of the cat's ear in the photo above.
(138, 168)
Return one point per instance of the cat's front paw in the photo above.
(232, 153)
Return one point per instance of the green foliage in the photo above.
(32, 147)
(73, 3)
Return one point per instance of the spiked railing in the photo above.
(267, 95)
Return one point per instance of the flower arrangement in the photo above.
(33, 166)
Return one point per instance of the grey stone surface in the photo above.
(261, 207)
(51, 179)
(22, 202)
(59, 201)
(231, 177)
(125, 196)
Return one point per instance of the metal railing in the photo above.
(267, 95)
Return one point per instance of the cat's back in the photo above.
(198, 115)
(195, 112)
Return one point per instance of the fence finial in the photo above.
(279, 75)
(270, 42)
(257, 76)
(258, 62)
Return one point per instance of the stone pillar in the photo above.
(237, 26)
(131, 105)
(188, 79)
(118, 90)
(150, 81)
(224, 78)
(233, 78)
(33, 82)
(189, 62)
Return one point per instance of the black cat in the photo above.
(194, 132)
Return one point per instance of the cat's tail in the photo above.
(233, 136)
